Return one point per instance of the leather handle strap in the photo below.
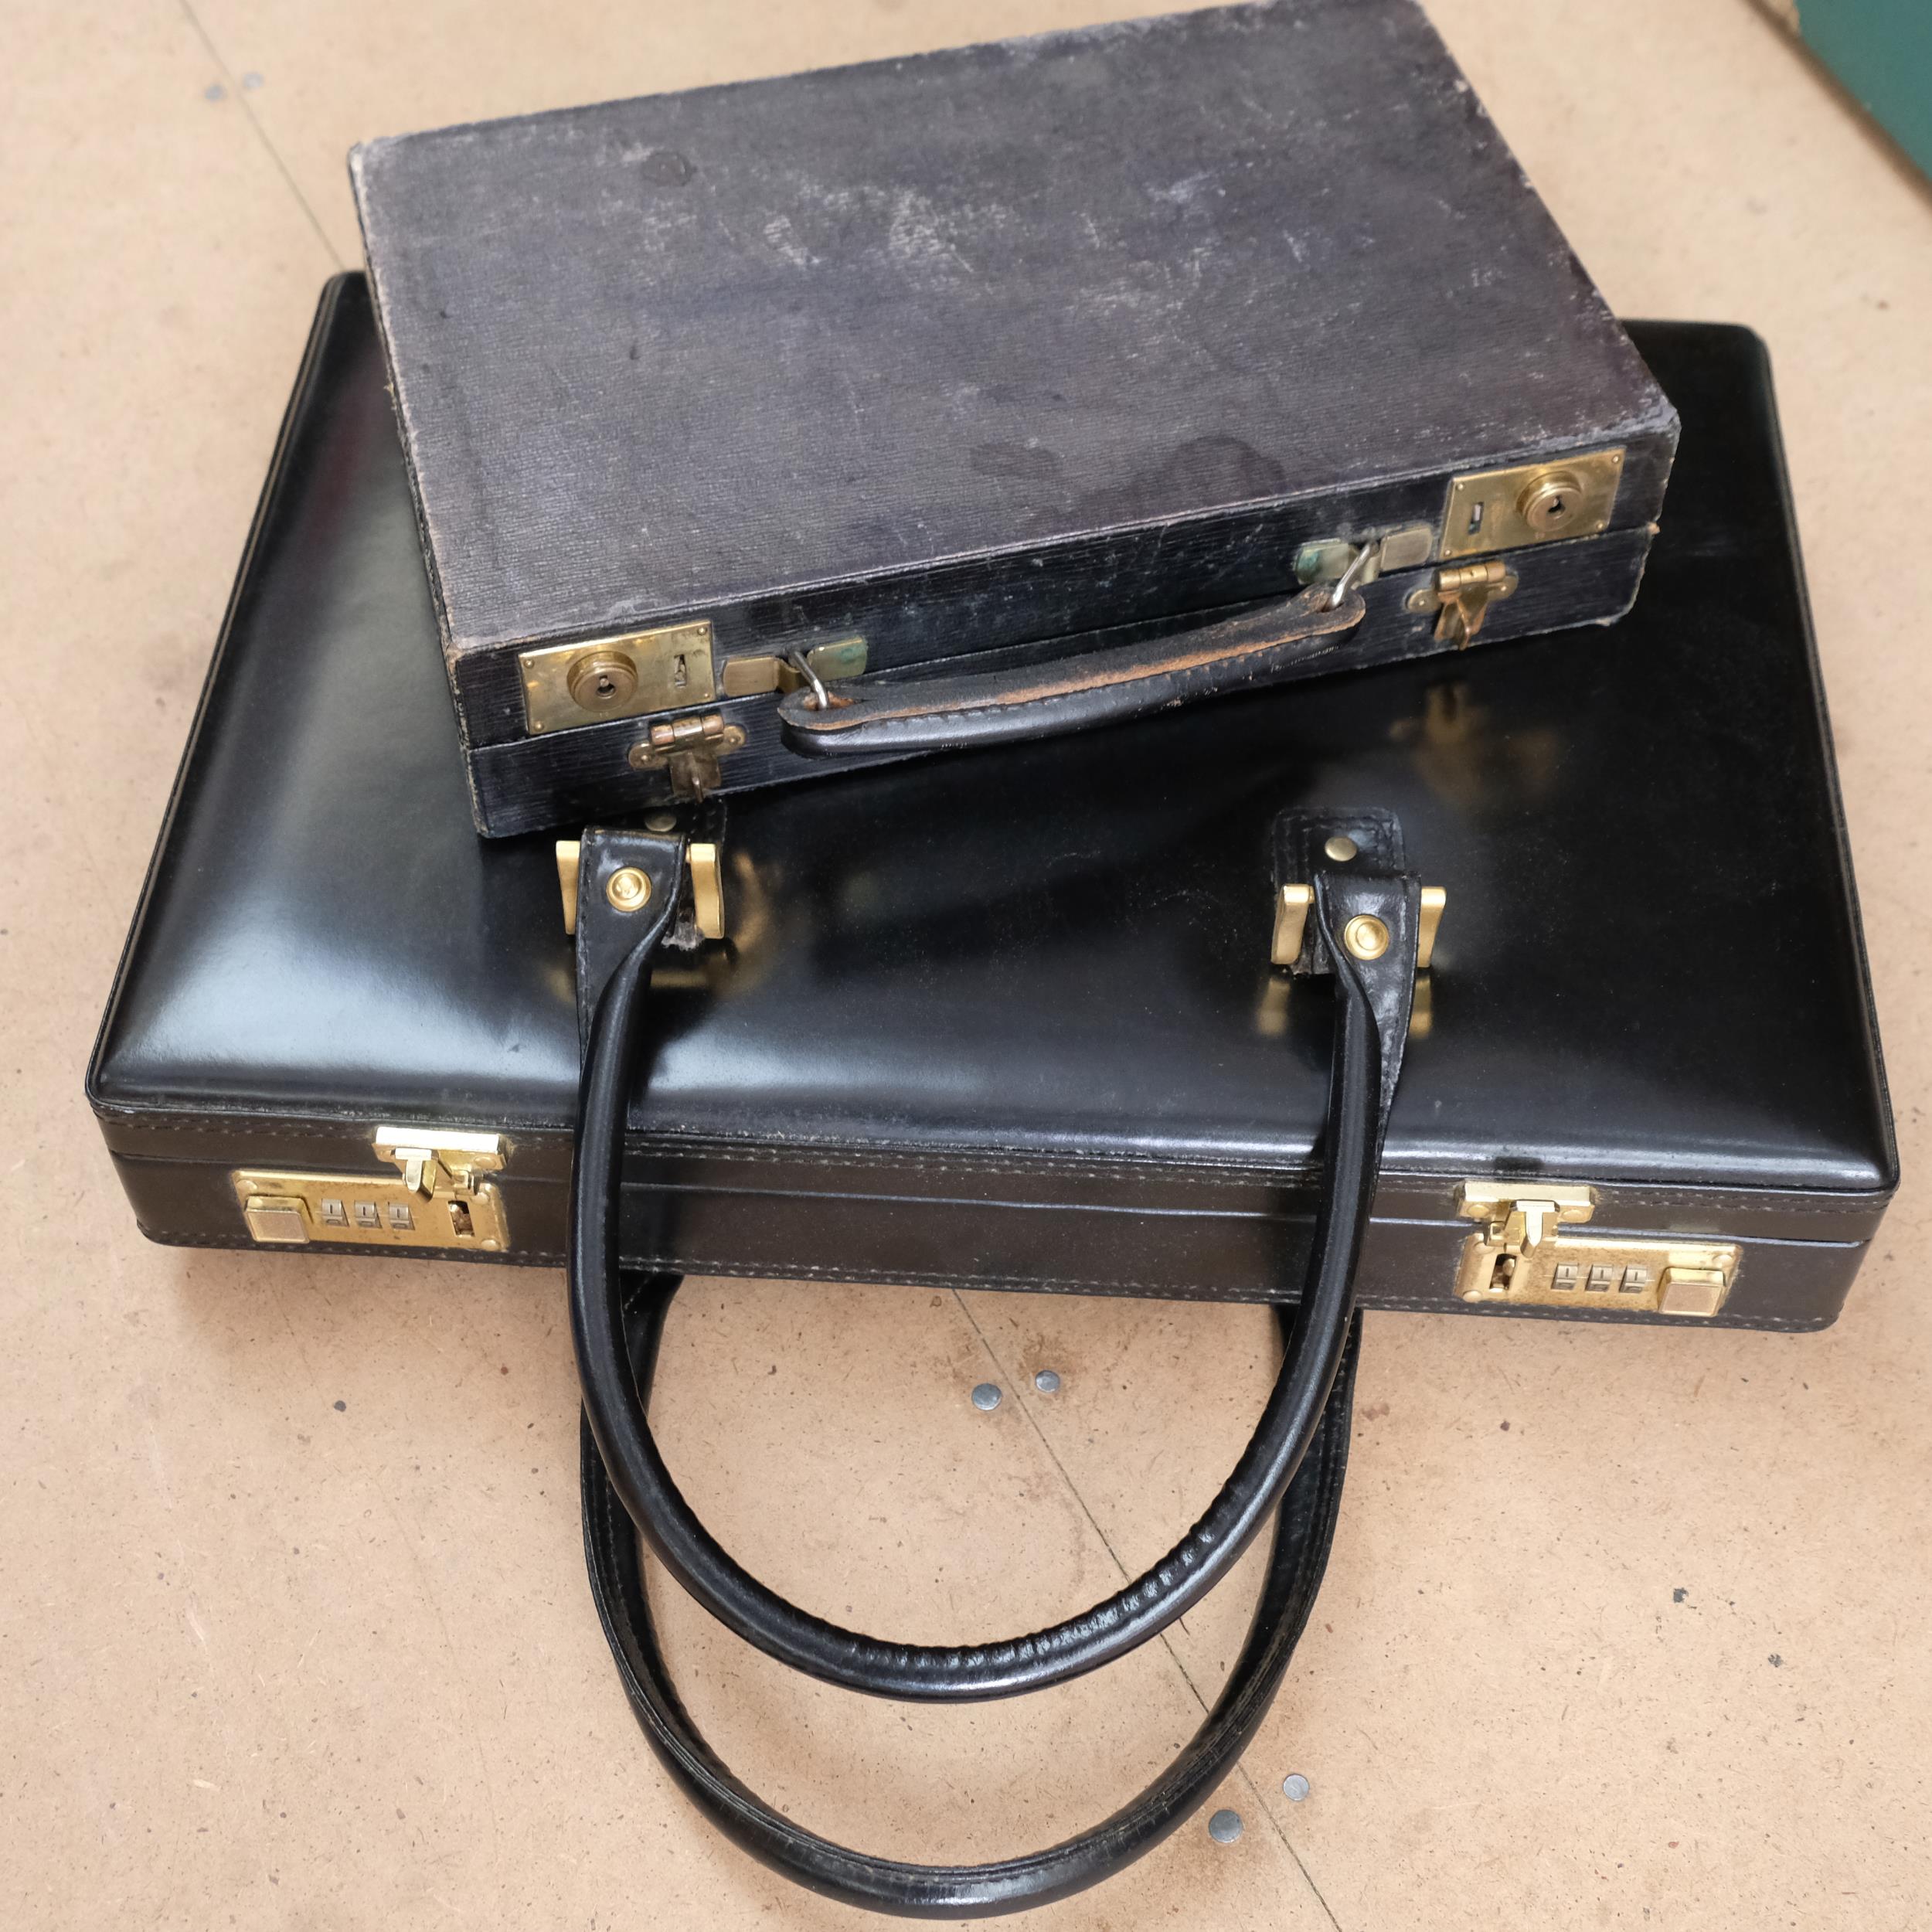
(1304, 1530)
(998, 707)
(1373, 1003)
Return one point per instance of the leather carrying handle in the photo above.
(1372, 1004)
(1304, 1530)
(627, 1491)
(1035, 701)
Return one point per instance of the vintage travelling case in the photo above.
(769, 428)
(1526, 983)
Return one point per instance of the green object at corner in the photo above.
(1881, 50)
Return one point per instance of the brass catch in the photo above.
(440, 1201)
(689, 749)
(1521, 1258)
(1463, 593)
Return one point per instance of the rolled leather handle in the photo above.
(1304, 1530)
(1372, 1018)
(1035, 701)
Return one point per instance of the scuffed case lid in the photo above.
(666, 356)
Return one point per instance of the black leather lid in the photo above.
(1052, 957)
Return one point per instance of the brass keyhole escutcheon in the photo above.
(1551, 501)
(602, 680)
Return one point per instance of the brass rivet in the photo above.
(1341, 848)
(661, 821)
(629, 889)
(601, 680)
(1366, 936)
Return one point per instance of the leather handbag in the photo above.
(1138, 1012)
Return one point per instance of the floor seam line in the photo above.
(260, 132)
(1240, 1768)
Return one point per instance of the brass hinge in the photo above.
(687, 749)
(1463, 593)
(440, 1200)
(1522, 1258)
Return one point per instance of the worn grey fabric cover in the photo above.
(670, 356)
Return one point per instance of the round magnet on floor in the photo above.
(1225, 1827)
(986, 1395)
(1047, 1381)
(1294, 1786)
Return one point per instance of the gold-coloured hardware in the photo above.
(688, 750)
(276, 1217)
(1325, 560)
(707, 891)
(1341, 848)
(1531, 503)
(751, 677)
(845, 657)
(1366, 937)
(1463, 593)
(1291, 907)
(628, 889)
(660, 821)
(567, 685)
(1521, 1258)
(1550, 503)
(570, 854)
(440, 1201)
(600, 681)
(1519, 1216)
(1291, 923)
(705, 862)
(1435, 901)
(1683, 1290)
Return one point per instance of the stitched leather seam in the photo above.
(1186, 1174)
(1048, 1284)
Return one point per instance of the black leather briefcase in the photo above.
(767, 428)
(1134, 1012)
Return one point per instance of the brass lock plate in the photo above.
(437, 1198)
(1525, 1256)
(1531, 503)
(1651, 1277)
(627, 676)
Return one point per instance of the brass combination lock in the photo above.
(1522, 1258)
(438, 1198)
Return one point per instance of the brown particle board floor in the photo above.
(1623, 1629)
